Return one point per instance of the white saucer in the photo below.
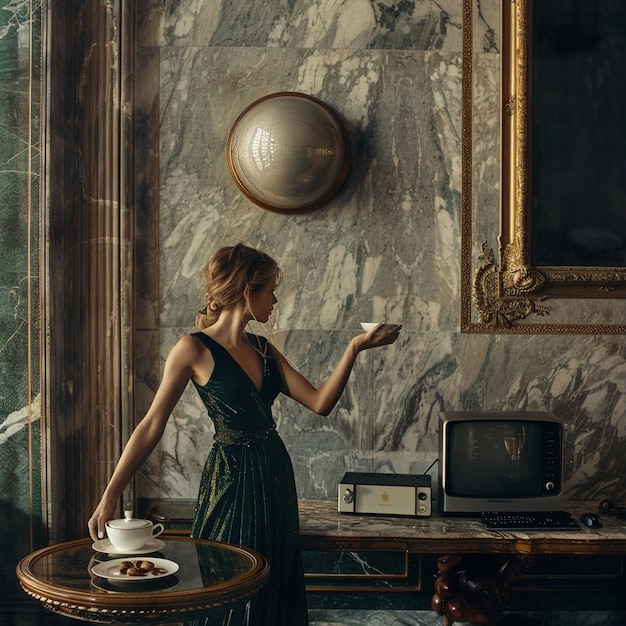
(111, 571)
(105, 545)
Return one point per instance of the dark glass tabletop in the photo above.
(192, 578)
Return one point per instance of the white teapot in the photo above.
(130, 533)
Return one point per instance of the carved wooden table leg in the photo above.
(475, 588)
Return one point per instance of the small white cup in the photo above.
(367, 326)
(130, 533)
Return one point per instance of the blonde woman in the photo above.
(247, 494)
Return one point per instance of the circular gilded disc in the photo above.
(288, 152)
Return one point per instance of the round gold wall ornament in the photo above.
(288, 152)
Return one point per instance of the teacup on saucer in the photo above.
(130, 533)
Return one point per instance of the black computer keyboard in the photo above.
(536, 520)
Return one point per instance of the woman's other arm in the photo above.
(176, 374)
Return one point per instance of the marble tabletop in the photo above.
(322, 526)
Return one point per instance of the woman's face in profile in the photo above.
(262, 301)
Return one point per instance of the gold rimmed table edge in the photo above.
(134, 606)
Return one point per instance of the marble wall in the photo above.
(387, 247)
(20, 509)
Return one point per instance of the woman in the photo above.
(247, 493)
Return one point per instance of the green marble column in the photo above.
(20, 475)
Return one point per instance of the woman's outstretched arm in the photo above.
(322, 399)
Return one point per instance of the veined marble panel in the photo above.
(323, 24)
(19, 249)
(387, 418)
(487, 25)
(21, 518)
(386, 247)
(485, 150)
(582, 382)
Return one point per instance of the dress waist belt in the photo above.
(237, 438)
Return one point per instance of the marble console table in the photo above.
(461, 543)
(410, 542)
(322, 527)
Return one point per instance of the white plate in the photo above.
(367, 326)
(105, 545)
(112, 586)
(111, 571)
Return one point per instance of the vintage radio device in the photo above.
(385, 494)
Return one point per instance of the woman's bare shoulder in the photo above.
(188, 348)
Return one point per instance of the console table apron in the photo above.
(460, 542)
(212, 576)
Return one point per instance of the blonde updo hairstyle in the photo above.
(229, 275)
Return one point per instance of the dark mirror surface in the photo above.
(578, 133)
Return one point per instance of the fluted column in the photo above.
(88, 183)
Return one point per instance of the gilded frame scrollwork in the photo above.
(509, 294)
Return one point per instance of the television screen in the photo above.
(500, 461)
(494, 459)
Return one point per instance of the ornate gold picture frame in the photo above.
(507, 293)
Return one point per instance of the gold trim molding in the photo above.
(501, 296)
(507, 292)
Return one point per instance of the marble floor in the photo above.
(428, 618)
(322, 617)
(351, 617)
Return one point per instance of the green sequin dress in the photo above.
(247, 493)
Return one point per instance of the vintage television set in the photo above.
(500, 461)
